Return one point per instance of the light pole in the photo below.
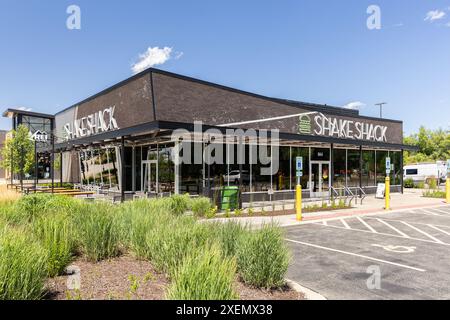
(381, 104)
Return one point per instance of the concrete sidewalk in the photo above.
(411, 199)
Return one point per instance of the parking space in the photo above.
(397, 255)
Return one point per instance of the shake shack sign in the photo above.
(322, 125)
(101, 121)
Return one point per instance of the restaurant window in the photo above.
(397, 169)
(381, 166)
(261, 182)
(300, 152)
(368, 168)
(191, 174)
(283, 175)
(166, 169)
(339, 166)
(353, 168)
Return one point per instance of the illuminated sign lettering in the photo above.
(101, 121)
(344, 128)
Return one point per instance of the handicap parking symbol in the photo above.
(396, 249)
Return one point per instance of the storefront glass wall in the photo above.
(353, 167)
(368, 168)
(304, 153)
(99, 167)
(381, 166)
(339, 167)
(396, 173)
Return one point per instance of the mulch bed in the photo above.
(126, 278)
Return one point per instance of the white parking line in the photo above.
(422, 232)
(387, 234)
(356, 255)
(442, 211)
(366, 225)
(410, 222)
(433, 213)
(438, 229)
(345, 224)
(393, 228)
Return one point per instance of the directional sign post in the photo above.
(299, 163)
(387, 192)
(388, 165)
(298, 189)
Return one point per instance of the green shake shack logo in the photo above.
(304, 124)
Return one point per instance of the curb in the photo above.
(308, 293)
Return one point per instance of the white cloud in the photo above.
(435, 15)
(154, 56)
(355, 105)
(24, 109)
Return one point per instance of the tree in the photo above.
(18, 152)
(433, 146)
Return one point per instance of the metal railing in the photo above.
(351, 195)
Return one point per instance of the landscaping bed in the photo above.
(145, 249)
(126, 278)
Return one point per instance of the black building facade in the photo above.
(123, 139)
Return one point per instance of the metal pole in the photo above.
(381, 104)
(61, 169)
(401, 170)
(122, 164)
(53, 163)
(36, 166)
(360, 167)
(331, 174)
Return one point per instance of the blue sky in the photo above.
(316, 51)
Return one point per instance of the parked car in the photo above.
(423, 172)
(235, 175)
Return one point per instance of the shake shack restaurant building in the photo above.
(123, 140)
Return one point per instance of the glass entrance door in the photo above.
(149, 180)
(320, 179)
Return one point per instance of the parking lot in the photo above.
(396, 255)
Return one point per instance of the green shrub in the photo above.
(204, 275)
(170, 242)
(434, 194)
(228, 236)
(97, 230)
(408, 183)
(179, 204)
(263, 258)
(420, 185)
(23, 267)
(31, 206)
(432, 184)
(200, 206)
(142, 224)
(56, 235)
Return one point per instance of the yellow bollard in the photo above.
(298, 202)
(447, 189)
(387, 193)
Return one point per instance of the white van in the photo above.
(420, 172)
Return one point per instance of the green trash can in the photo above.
(230, 198)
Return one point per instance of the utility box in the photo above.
(230, 198)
